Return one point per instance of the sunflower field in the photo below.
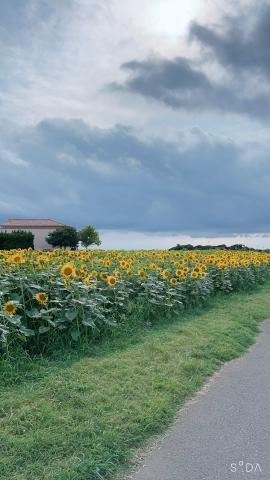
(75, 294)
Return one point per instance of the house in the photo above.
(39, 227)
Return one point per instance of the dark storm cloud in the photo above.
(243, 42)
(178, 84)
(240, 45)
(165, 74)
(115, 179)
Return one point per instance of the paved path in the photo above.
(225, 432)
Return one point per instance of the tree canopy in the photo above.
(89, 236)
(63, 237)
(16, 239)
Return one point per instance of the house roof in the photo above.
(31, 223)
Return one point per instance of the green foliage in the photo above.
(16, 239)
(60, 415)
(63, 237)
(89, 236)
(76, 310)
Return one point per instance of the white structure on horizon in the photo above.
(39, 227)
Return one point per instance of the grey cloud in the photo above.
(116, 179)
(242, 42)
(20, 20)
(240, 45)
(178, 84)
(165, 74)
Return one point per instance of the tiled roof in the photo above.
(22, 222)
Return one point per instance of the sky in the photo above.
(147, 119)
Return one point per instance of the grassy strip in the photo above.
(78, 416)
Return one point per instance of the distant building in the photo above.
(39, 227)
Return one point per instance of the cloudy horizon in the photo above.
(141, 121)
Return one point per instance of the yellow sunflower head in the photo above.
(67, 270)
(173, 281)
(41, 263)
(111, 280)
(9, 308)
(77, 272)
(87, 280)
(165, 273)
(42, 298)
(17, 258)
(142, 273)
(103, 275)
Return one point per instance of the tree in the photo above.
(16, 239)
(63, 237)
(89, 236)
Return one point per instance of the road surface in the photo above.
(224, 433)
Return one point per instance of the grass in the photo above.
(79, 415)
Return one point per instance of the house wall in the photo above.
(40, 235)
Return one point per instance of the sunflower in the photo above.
(94, 274)
(173, 281)
(17, 258)
(77, 272)
(111, 280)
(103, 275)
(165, 273)
(41, 297)
(41, 263)
(9, 308)
(67, 270)
(142, 273)
(89, 281)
